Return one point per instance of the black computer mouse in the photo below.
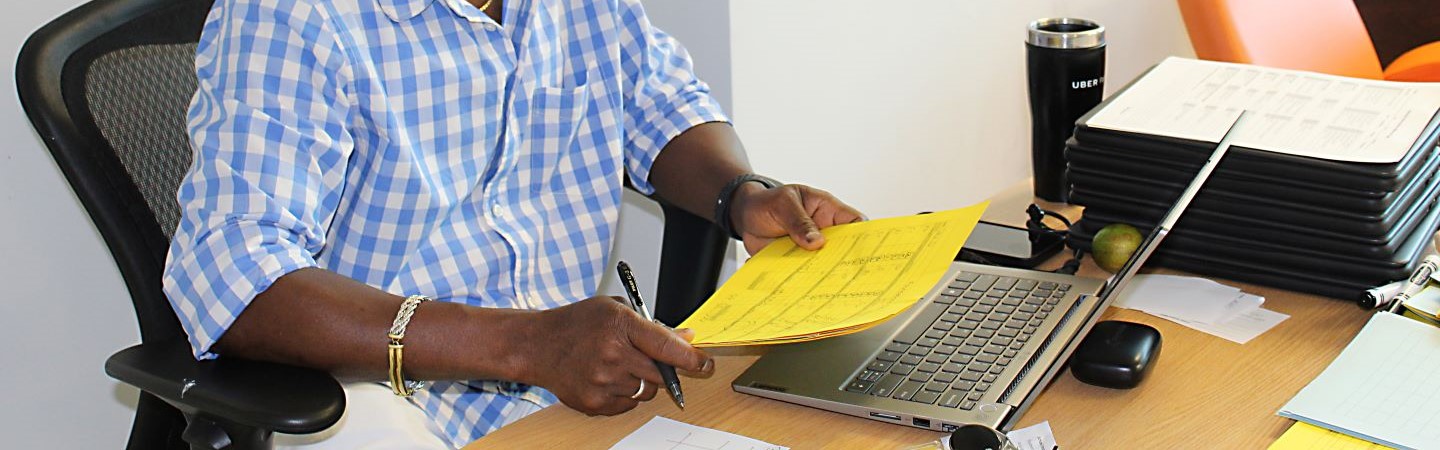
(1116, 354)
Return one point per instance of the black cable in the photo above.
(1073, 265)
(1036, 225)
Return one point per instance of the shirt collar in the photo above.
(401, 10)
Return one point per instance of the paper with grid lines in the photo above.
(867, 273)
(1382, 388)
(665, 434)
(1295, 112)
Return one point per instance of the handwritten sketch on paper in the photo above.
(664, 434)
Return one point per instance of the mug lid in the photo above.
(1066, 33)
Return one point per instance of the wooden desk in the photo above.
(1205, 392)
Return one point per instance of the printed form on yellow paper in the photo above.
(866, 273)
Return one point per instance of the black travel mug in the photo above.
(1065, 59)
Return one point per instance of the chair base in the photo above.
(205, 434)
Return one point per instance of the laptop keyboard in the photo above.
(955, 349)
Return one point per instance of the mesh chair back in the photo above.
(106, 87)
(138, 97)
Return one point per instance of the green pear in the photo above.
(1114, 244)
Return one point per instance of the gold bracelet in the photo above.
(398, 383)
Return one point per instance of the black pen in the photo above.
(667, 373)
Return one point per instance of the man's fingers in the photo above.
(646, 391)
(614, 404)
(659, 343)
(827, 210)
(643, 367)
(606, 400)
(842, 213)
(689, 336)
(754, 245)
(798, 222)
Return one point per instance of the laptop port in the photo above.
(948, 427)
(885, 416)
(921, 422)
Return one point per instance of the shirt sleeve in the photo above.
(268, 131)
(663, 97)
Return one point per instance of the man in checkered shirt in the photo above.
(352, 153)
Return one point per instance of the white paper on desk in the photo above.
(1298, 113)
(1034, 437)
(1240, 329)
(1191, 299)
(1381, 388)
(663, 433)
(1240, 306)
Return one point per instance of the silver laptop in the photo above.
(977, 349)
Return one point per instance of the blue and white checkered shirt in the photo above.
(421, 148)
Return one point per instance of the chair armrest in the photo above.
(691, 256)
(1419, 64)
(268, 396)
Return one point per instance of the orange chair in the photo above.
(1324, 36)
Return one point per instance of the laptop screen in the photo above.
(1132, 265)
(1147, 247)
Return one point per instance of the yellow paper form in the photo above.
(1304, 436)
(866, 273)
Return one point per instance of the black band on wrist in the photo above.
(722, 202)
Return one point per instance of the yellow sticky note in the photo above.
(866, 273)
(1304, 436)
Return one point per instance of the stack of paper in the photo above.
(1330, 189)
(1380, 388)
(1201, 304)
(866, 273)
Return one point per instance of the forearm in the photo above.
(692, 169)
(591, 353)
(695, 165)
(320, 319)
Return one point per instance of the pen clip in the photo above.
(632, 291)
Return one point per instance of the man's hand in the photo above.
(761, 215)
(592, 354)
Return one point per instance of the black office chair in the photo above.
(106, 87)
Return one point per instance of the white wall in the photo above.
(902, 107)
(64, 306)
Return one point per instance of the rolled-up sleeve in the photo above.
(268, 128)
(663, 97)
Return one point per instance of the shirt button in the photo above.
(497, 211)
(489, 26)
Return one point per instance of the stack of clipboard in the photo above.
(1335, 194)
